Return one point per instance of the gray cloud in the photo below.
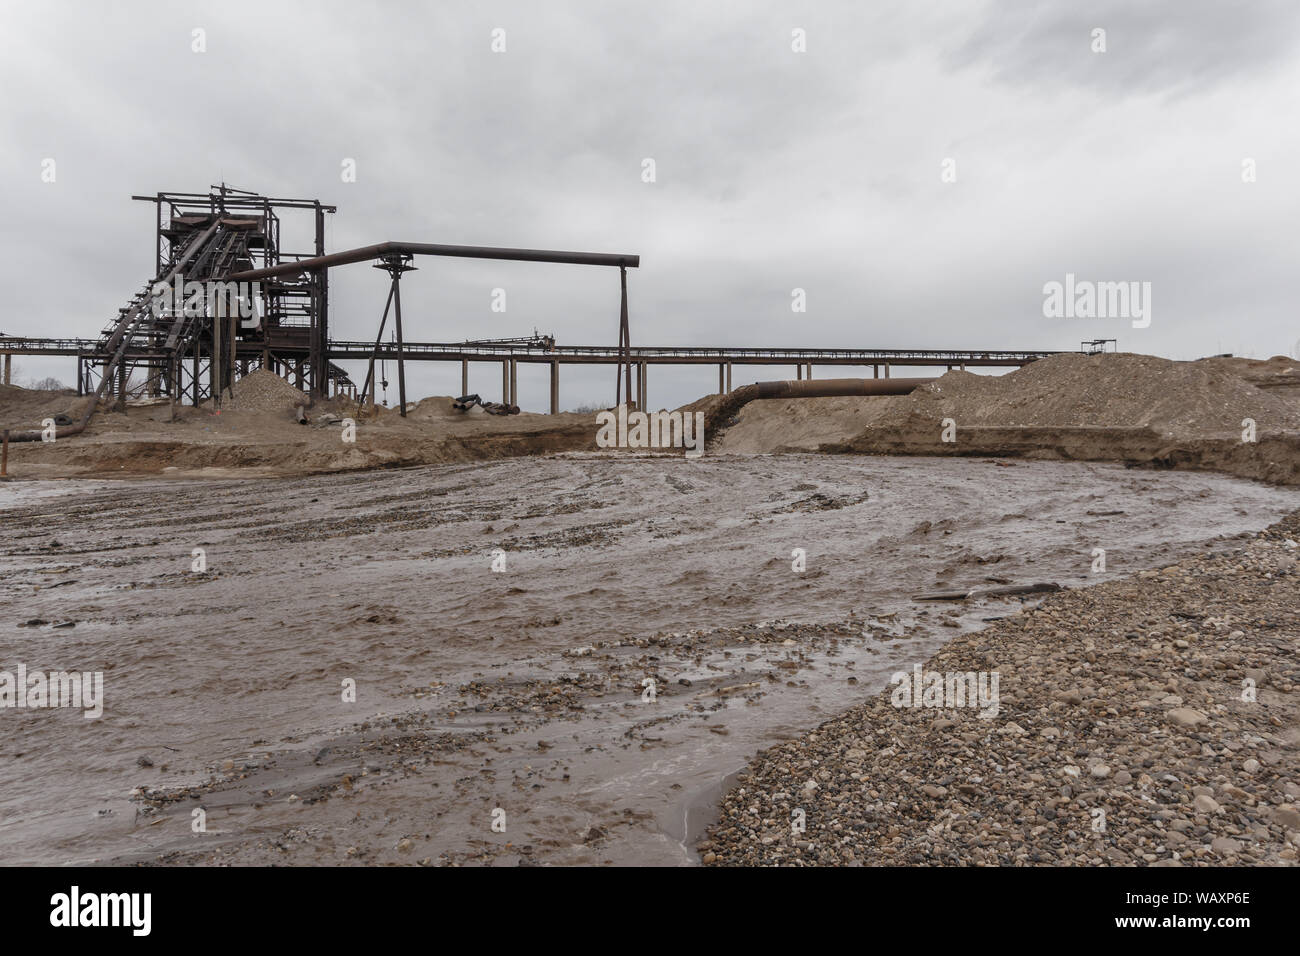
(1167, 46)
(776, 170)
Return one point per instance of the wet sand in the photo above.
(520, 690)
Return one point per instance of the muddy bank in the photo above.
(1273, 458)
(1151, 720)
(135, 458)
(258, 434)
(1136, 409)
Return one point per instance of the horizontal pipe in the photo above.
(830, 387)
(61, 431)
(720, 414)
(366, 253)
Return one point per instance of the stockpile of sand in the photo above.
(264, 391)
(798, 424)
(22, 409)
(1175, 399)
(438, 407)
(1279, 371)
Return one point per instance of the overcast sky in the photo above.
(775, 169)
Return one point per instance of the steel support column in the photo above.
(401, 361)
(395, 266)
(214, 366)
(369, 387)
(319, 347)
(624, 341)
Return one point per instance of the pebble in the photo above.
(1186, 717)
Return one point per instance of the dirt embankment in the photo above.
(256, 431)
(1116, 407)
(1136, 409)
(23, 409)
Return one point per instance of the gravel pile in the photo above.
(264, 391)
(1126, 735)
(1184, 399)
(1174, 400)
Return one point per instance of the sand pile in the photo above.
(1176, 399)
(438, 407)
(1135, 409)
(1171, 400)
(1280, 371)
(798, 424)
(25, 408)
(264, 391)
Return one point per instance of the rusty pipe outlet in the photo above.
(832, 387)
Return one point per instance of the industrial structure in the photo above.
(227, 298)
(194, 343)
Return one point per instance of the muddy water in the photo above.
(520, 690)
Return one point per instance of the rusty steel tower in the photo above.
(190, 332)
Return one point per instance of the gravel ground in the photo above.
(1125, 736)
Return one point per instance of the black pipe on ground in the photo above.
(60, 431)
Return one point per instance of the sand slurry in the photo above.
(1127, 734)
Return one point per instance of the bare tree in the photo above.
(47, 385)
